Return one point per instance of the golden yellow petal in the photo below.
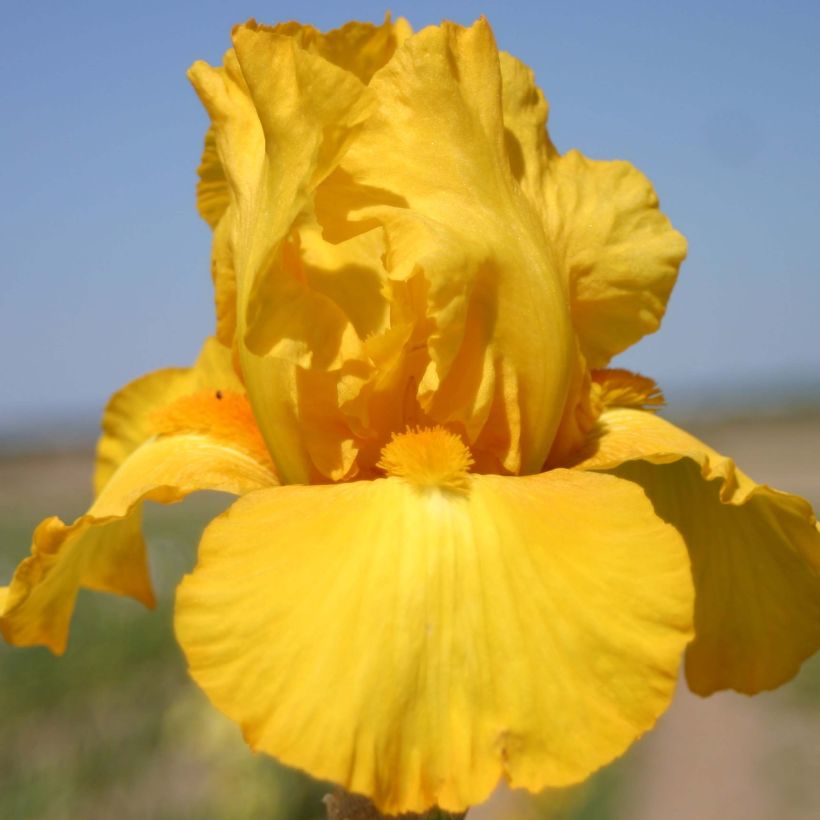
(581, 411)
(228, 158)
(214, 205)
(755, 552)
(530, 152)
(298, 355)
(326, 312)
(103, 554)
(619, 253)
(416, 640)
(590, 392)
(431, 166)
(350, 274)
(104, 549)
(236, 130)
(212, 194)
(360, 48)
(282, 118)
(223, 276)
(127, 421)
(627, 434)
(525, 110)
(308, 111)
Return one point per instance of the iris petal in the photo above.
(273, 156)
(127, 421)
(214, 206)
(417, 644)
(529, 147)
(431, 166)
(104, 549)
(616, 251)
(164, 436)
(755, 552)
(620, 253)
(360, 48)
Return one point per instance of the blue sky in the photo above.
(104, 269)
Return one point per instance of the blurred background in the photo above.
(105, 276)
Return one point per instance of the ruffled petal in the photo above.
(212, 192)
(104, 549)
(282, 118)
(127, 420)
(619, 253)
(228, 161)
(360, 48)
(165, 435)
(308, 110)
(223, 276)
(755, 551)
(431, 166)
(616, 251)
(529, 147)
(213, 202)
(416, 644)
(322, 303)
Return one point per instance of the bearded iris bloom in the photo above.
(465, 550)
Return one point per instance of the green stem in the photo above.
(344, 806)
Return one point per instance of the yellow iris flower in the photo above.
(465, 550)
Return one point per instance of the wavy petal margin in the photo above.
(755, 551)
(165, 435)
(418, 644)
(104, 549)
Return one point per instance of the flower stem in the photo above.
(344, 806)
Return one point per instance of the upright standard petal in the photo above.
(419, 637)
(615, 249)
(619, 253)
(529, 148)
(283, 116)
(755, 551)
(360, 48)
(214, 205)
(466, 251)
(212, 192)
